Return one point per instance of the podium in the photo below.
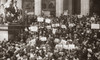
(8, 32)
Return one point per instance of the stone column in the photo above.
(70, 6)
(59, 7)
(3, 1)
(38, 7)
(85, 7)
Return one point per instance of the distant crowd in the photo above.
(52, 38)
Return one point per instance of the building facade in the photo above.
(56, 7)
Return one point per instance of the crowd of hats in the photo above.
(72, 37)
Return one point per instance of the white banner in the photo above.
(40, 19)
(95, 26)
(43, 38)
(33, 28)
(56, 25)
(48, 20)
(69, 47)
(48, 27)
(63, 26)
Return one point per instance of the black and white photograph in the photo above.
(49, 29)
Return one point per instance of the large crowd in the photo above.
(51, 38)
(68, 37)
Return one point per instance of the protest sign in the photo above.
(56, 40)
(48, 20)
(48, 27)
(40, 19)
(43, 38)
(63, 26)
(33, 28)
(95, 26)
(59, 46)
(56, 25)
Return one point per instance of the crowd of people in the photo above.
(68, 37)
(51, 38)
